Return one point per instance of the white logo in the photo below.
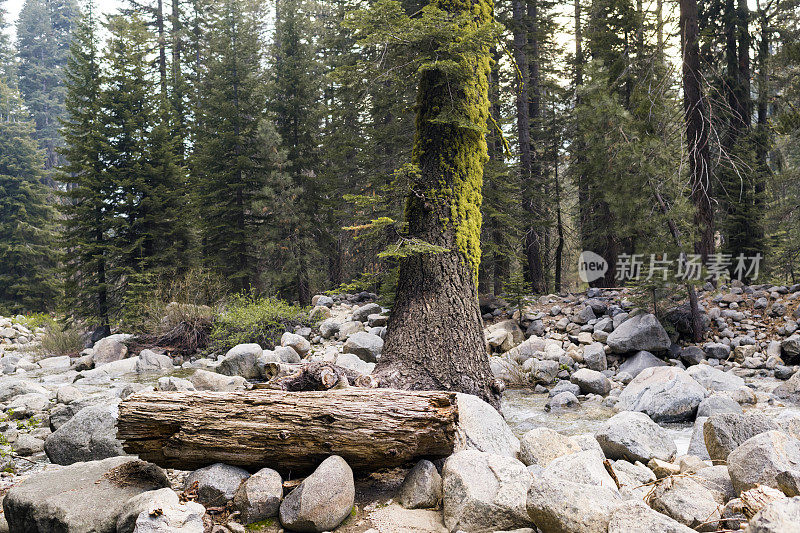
(591, 266)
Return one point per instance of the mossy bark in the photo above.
(435, 335)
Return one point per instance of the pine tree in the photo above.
(27, 279)
(297, 119)
(87, 217)
(229, 174)
(43, 34)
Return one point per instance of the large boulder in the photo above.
(18, 387)
(481, 427)
(205, 380)
(759, 460)
(362, 313)
(724, 432)
(150, 361)
(688, 502)
(259, 496)
(666, 394)
(718, 403)
(88, 436)
(714, 379)
(591, 381)
(366, 346)
(559, 506)
(635, 437)
(110, 349)
(586, 467)
(422, 487)
(640, 332)
(639, 361)
(83, 497)
(789, 390)
(242, 360)
(484, 492)
(697, 442)
(217, 483)
(636, 517)
(540, 446)
(594, 356)
(780, 516)
(322, 501)
(297, 342)
(181, 517)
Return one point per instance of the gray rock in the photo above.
(697, 442)
(61, 414)
(361, 314)
(481, 427)
(355, 363)
(171, 383)
(322, 501)
(323, 300)
(365, 345)
(789, 390)
(181, 518)
(147, 502)
(716, 404)
(714, 379)
(591, 381)
(759, 460)
(83, 497)
(789, 482)
(421, 488)
(562, 401)
(635, 479)
(635, 437)
(259, 496)
(216, 484)
(716, 479)
(27, 445)
(286, 354)
(297, 342)
(636, 517)
(666, 394)
(88, 436)
(540, 446)
(68, 394)
(640, 332)
(484, 492)
(149, 361)
(110, 349)
(241, 360)
(594, 355)
(716, 350)
(693, 355)
(329, 327)
(27, 405)
(585, 467)
(564, 386)
(780, 516)
(205, 380)
(18, 387)
(544, 372)
(641, 360)
(687, 502)
(559, 506)
(724, 432)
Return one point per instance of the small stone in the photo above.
(322, 501)
(421, 488)
(259, 496)
(216, 484)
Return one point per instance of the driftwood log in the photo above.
(288, 431)
(313, 376)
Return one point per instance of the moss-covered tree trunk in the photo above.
(434, 338)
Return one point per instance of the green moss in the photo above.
(260, 526)
(453, 108)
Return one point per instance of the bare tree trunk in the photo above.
(697, 127)
(434, 339)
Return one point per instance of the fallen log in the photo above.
(291, 432)
(313, 376)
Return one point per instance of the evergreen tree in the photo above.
(297, 119)
(229, 172)
(43, 34)
(87, 217)
(26, 266)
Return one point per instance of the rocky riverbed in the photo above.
(613, 423)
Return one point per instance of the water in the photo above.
(524, 410)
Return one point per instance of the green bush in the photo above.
(35, 320)
(259, 320)
(61, 339)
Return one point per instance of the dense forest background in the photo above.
(266, 147)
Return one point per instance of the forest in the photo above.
(270, 145)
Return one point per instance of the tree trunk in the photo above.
(697, 126)
(434, 339)
(289, 431)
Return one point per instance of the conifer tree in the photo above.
(27, 279)
(229, 174)
(43, 34)
(87, 217)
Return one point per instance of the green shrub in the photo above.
(259, 320)
(35, 320)
(61, 339)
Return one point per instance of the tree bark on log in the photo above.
(291, 432)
